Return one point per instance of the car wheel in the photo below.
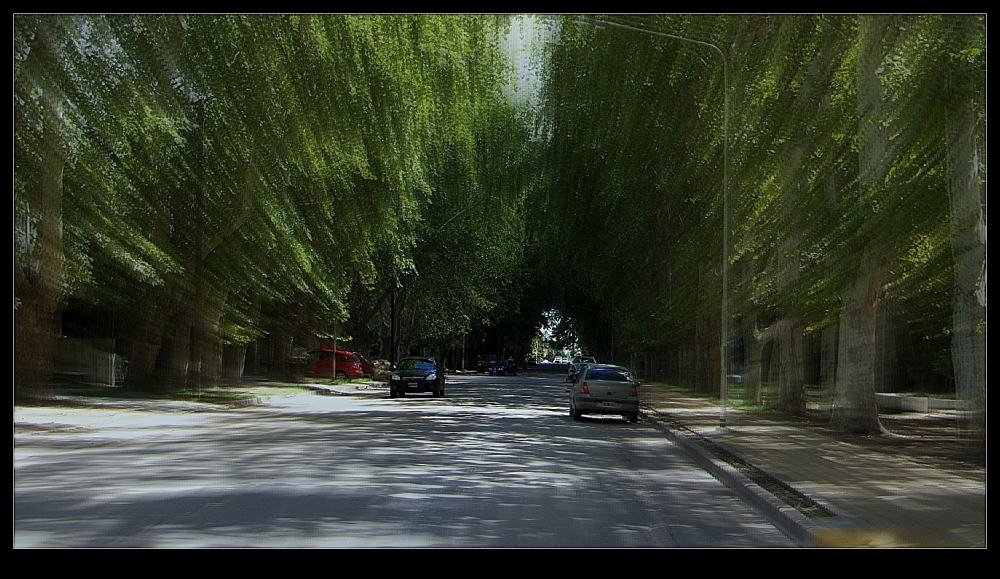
(574, 413)
(633, 417)
(341, 375)
(392, 394)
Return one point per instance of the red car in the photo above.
(321, 364)
(483, 362)
(367, 368)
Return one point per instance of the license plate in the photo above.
(609, 405)
(413, 384)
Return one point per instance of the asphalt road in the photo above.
(496, 463)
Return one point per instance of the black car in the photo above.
(505, 368)
(416, 374)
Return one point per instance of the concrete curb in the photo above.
(362, 389)
(789, 521)
(840, 518)
(255, 401)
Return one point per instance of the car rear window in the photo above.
(607, 374)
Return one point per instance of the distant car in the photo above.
(576, 365)
(559, 360)
(483, 362)
(604, 389)
(321, 364)
(416, 374)
(505, 368)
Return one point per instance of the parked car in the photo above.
(506, 368)
(416, 374)
(604, 389)
(483, 362)
(367, 368)
(576, 365)
(321, 364)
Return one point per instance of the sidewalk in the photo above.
(848, 494)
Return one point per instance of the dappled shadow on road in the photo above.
(495, 463)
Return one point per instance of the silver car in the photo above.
(604, 389)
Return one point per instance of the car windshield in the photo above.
(611, 374)
(413, 364)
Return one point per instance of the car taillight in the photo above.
(584, 389)
(634, 392)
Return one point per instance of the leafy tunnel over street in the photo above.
(202, 198)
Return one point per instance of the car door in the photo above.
(320, 364)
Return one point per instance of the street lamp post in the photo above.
(724, 334)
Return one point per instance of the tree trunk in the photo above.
(968, 244)
(788, 330)
(281, 367)
(707, 332)
(233, 362)
(791, 385)
(180, 355)
(828, 340)
(828, 355)
(752, 347)
(146, 337)
(207, 346)
(752, 359)
(854, 407)
(39, 272)
(887, 374)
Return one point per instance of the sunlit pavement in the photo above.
(496, 463)
(878, 499)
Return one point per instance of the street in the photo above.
(496, 463)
